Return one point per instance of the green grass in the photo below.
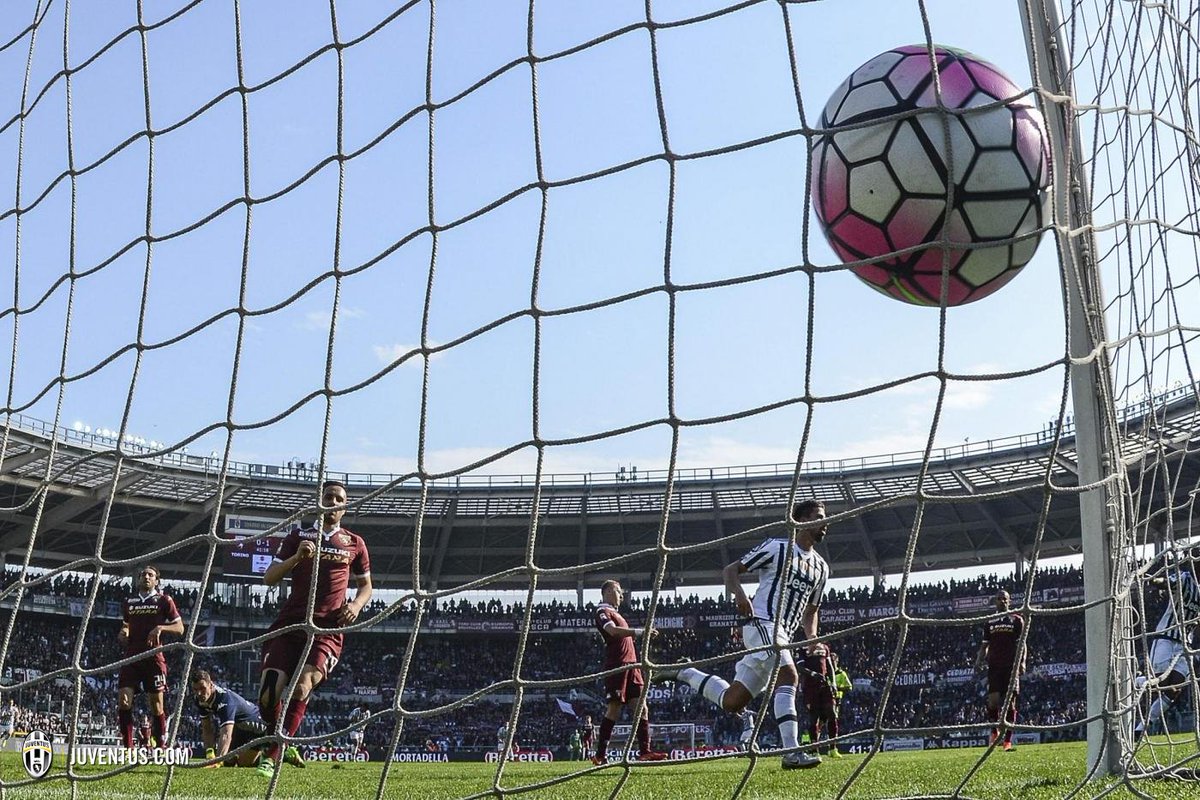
(1032, 771)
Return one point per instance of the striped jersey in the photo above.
(1178, 620)
(804, 584)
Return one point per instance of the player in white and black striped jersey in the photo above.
(787, 598)
(1170, 660)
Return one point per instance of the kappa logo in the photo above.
(37, 754)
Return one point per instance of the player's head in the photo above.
(1003, 600)
(147, 578)
(202, 684)
(833, 658)
(810, 511)
(333, 497)
(612, 592)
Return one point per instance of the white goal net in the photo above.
(544, 285)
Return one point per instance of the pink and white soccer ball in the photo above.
(882, 187)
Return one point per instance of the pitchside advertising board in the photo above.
(38, 750)
(246, 557)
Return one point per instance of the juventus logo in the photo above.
(37, 754)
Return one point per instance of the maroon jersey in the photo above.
(142, 614)
(1002, 636)
(343, 554)
(618, 650)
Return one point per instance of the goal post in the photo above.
(1098, 458)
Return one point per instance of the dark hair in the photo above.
(805, 508)
(157, 571)
(610, 582)
(200, 675)
(332, 482)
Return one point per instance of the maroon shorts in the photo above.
(283, 652)
(624, 687)
(148, 675)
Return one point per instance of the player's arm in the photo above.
(207, 734)
(618, 632)
(1021, 655)
(362, 596)
(360, 571)
(123, 634)
(175, 625)
(291, 552)
(808, 622)
(157, 631)
(224, 737)
(733, 584)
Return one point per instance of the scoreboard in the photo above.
(246, 557)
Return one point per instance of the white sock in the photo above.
(785, 715)
(710, 686)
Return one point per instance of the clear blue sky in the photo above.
(724, 81)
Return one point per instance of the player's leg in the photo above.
(1171, 665)
(633, 695)
(831, 724)
(616, 689)
(814, 718)
(1170, 688)
(784, 703)
(1010, 719)
(272, 684)
(125, 706)
(154, 684)
(993, 710)
(615, 698)
(281, 656)
(158, 718)
(322, 658)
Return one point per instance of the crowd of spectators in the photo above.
(445, 667)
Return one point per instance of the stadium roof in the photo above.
(983, 504)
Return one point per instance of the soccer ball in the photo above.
(882, 187)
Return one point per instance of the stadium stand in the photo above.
(934, 684)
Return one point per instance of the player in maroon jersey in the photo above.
(621, 688)
(148, 614)
(342, 555)
(587, 736)
(818, 696)
(1005, 665)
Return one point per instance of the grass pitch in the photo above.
(1031, 771)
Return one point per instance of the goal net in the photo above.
(546, 288)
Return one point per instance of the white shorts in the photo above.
(1167, 655)
(755, 670)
